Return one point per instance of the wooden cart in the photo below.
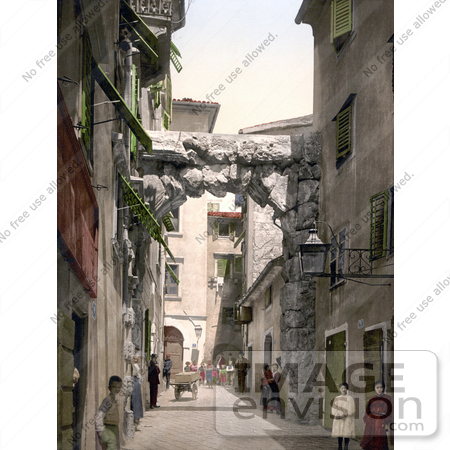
(185, 382)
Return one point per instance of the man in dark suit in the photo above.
(153, 379)
(243, 366)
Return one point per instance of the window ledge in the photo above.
(172, 298)
(269, 308)
(175, 234)
(337, 285)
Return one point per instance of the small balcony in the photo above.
(159, 12)
(152, 8)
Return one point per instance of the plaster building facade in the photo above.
(113, 80)
(353, 111)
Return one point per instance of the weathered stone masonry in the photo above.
(280, 171)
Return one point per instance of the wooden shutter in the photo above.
(232, 230)
(373, 357)
(335, 373)
(215, 231)
(221, 267)
(209, 207)
(343, 132)
(174, 53)
(134, 107)
(341, 18)
(378, 224)
(148, 334)
(238, 263)
(215, 206)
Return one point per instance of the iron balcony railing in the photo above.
(152, 7)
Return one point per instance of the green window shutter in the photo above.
(143, 37)
(122, 108)
(378, 224)
(238, 263)
(168, 109)
(87, 98)
(209, 207)
(341, 18)
(134, 107)
(174, 53)
(239, 240)
(221, 267)
(166, 121)
(343, 132)
(232, 230)
(215, 231)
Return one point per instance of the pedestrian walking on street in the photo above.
(166, 370)
(107, 417)
(378, 416)
(343, 411)
(243, 366)
(194, 366)
(153, 379)
(187, 366)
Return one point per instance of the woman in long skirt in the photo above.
(378, 416)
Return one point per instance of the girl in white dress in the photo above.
(343, 411)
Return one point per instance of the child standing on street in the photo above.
(223, 374)
(107, 417)
(343, 411)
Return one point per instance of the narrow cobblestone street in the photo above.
(219, 419)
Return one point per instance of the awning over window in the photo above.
(139, 208)
(122, 108)
(172, 274)
(147, 41)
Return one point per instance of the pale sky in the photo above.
(218, 35)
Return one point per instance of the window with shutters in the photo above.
(382, 224)
(342, 23)
(87, 101)
(337, 259)
(171, 287)
(344, 130)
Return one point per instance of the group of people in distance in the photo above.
(377, 418)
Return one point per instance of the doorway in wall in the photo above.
(173, 345)
(335, 361)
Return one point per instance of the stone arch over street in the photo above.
(280, 171)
